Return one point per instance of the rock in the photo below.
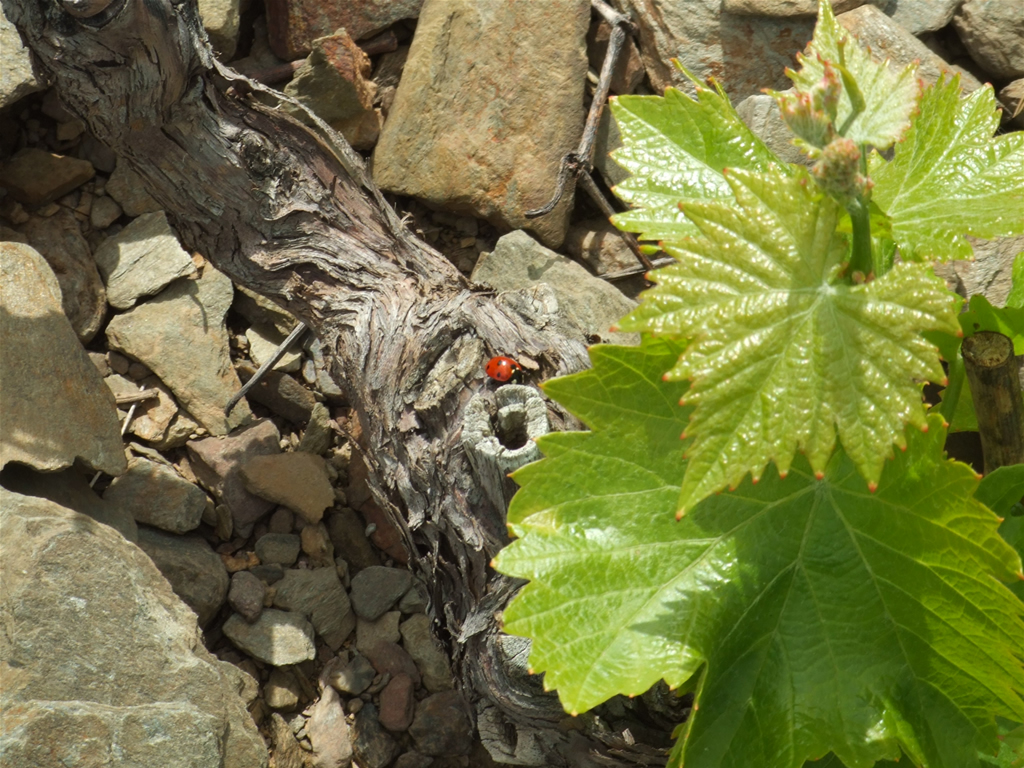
(194, 570)
(363, 130)
(990, 273)
(17, 78)
(373, 746)
(280, 548)
(153, 418)
(141, 260)
(385, 536)
(328, 732)
(1012, 96)
(180, 335)
(268, 573)
(442, 725)
(71, 490)
(282, 690)
(280, 393)
(259, 310)
(457, 136)
(369, 634)
(294, 25)
(216, 461)
(245, 596)
(761, 114)
(55, 407)
(36, 177)
(282, 521)
(287, 752)
(413, 760)
(348, 535)
(993, 33)
(786, 7)
(87, 611)
(296, 480)
(264, 341)
(104, 212)
(323, 380)
(156, 495)
(629, 69)
(587, 302)
(319, 433)
(430, 659)
(391, 659)
(319, 596)
(597, 243)
(83, 297)
(128, 189)
(397, 704)
(744, 53)
(353, 677)
(887, 39)
(375, 590)
(317, 545)
(416, 599)
(277, 637)
(920, 16)
(335, 80)
(220, 19)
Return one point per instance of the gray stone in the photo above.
(128, 189)
(761, 114)
(158, 496)
(1012, 96)
(280, 548)
(277, 637)
(216, 461)
(259, 310)
(287, 752)
(69, 489)
(353, 677)
(442, 725)
(318, 595)
(297, 480)
(920, 16)
(83, 297)
(220, 19)
(245, 596)
(430, 659)
(319, 434)
(321, 374)
(17, 79)
(457, 136)
(153, 418)
(180, 335)
(989, 274)
(196, 573)
(599, 245)
(141, 260)
(413, 760)
(328, 732)
(269, 573)
(264, 341)
(370, 634)
(87, 611)
(416, 599)
(293, 26)
(375, 590)
(55, 407)
(104, 212)
(786, 7)
(279, 392)
(36, 177)
(993, 33)
(348, 535)
(587, 302)
(334, 82)
(282, 690)
(374, 747)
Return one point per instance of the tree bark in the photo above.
(290, 211)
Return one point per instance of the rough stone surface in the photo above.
(282, 690)
(220, 18)
(430, 659)
(599, 245)
(195, 572)
(369, 634)
(294, 24)
(919, 16)
(374, 747)
(317, 545)
(259, 310)
(287, 752)
(36, 177)
(989, 274)
(993, 33)
(335, 80)
(280, 548)
(277, 637)
(69, 489)
(392, 659)
(589, 303)
(281, 393)
(1012, 96)
(86, 612)
(245, 595)
(156, 495)
(141, 260)
(413, 760)
(297, 480)
(761, 114)
(55, 407)
(348, 535)
(318, 595)
(442, 725)
(744, 53)
(153, 418)
(264, 341)
(216, 462)
(104, 212)
(328, 732)
(460, 134)
(376, 589)
(180, 335)
(17, 79)
(353, 677)
(128, 189)
(786, 7)
(397, 704)
(319, 433)
(629, 69)
(83, 297)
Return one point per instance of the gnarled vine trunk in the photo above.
(290, 212)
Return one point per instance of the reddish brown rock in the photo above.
(294, 24)
(297, 480)
(36, 177)
(335, 80)
(392, 659)
(397, 704)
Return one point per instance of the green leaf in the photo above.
(784, 353)
(676, 148)
(875, 103)
(950, 177)
(1011, 746)
(1001, 489)
(1015, 300)
(820, 618)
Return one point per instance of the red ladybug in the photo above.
(504, 369)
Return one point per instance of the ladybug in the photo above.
(504, 369)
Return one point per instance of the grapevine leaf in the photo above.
(817, 617)
(950, 177)
(875, 103)
(1015, 300)
(784, 352)
(676, 148)
(1001, 489)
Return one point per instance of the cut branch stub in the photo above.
(992, 373)
(499, 437)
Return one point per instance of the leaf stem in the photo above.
(860, 260)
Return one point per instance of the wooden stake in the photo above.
(992, 373)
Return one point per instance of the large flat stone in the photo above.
(17, 79)
(156, 495)
(195, 572)
(294, 24)
(36, 177)
(462, 133)
(297, 480)
(319, 596)
(276, 637)
(55, 406)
